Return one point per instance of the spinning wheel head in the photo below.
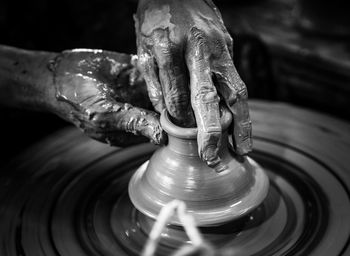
(175, 171)
(52, 204)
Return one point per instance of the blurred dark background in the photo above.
(295, 51)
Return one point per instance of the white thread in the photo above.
(186, 220)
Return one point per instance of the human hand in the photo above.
(96, 90)
(185, 53)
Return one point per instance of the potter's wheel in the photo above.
(68, 194)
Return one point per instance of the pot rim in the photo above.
(190, 133)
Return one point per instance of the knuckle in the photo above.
(176, 95)
(175, 109)
(206, 95)
(162, 42)
(177, 99)
(242, 93)
(198, 36)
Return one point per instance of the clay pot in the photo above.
(213, 196)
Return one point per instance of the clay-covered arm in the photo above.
(186, 56)
(100, 92)
(25, 80)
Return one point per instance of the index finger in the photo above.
(205, 102)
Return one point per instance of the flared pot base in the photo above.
(207, 212)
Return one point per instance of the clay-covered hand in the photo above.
(185, 53)
(96, 90)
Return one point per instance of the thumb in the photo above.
(143, 122)
(137, 121)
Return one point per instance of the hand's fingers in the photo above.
(233, 90)
(124, 117)
(154, 88)
(173, 78)
(204, 99)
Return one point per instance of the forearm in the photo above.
(25, 78)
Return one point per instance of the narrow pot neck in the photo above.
(184, 140)
(189, 146)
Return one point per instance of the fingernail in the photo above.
(217, 165)
(210, 155)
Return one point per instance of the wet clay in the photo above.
(214, 195)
